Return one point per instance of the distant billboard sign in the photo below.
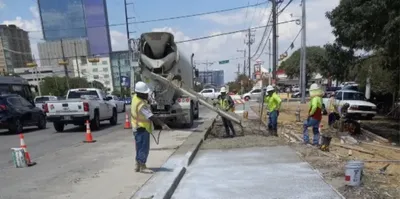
(125, 81)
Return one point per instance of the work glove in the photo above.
(165, 127)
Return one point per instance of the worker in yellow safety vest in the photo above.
(273, 102)
(226, 103)
(142, 124)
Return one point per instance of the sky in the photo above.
(24, 14)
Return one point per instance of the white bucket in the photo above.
(18, 156)
(354, 173)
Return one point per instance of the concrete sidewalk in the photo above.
(265, 172)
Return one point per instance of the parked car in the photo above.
(210, 93)
(82, 104)
(255, 93)
(16, 112)
(40, 100)
(298, 94)
(120, 104)
(359, 106)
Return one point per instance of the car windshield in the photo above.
(41, 99)
(79, 94)
(353, 96)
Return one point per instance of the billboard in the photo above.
(125, 81)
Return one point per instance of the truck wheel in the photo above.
(95, 123)
(42, 122)
(247, 98)
(59, 126)
(124, 109)
(191, 118)
(114, 118)
(196, 114)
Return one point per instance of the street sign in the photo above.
(224, 62)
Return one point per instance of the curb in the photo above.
(179, 172)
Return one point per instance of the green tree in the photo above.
(338, 62)
(315, 58)
(371, 25)
(97, 84)
(58, 85)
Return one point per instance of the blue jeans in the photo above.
(273, 120)
(142, 139)
(311, 122)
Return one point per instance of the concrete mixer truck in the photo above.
(158, 53)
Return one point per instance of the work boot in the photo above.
(144, 169)
(137, 166)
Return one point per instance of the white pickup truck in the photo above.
(81, 105)
(210, 93)
(359, 106)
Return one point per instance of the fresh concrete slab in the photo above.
(267, 172)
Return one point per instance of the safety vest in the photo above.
(224, 103)
(331, 105)
(272, 101)
(138, 119)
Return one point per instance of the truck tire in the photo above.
(16, 126)
(124, 109)
(95, 123)
(191, 118)
(114, 118)
(197, 111)
(59, 126)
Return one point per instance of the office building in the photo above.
(121, 67)
(51, 53)
(71, 19)
(213, 77)
(15, 50)
(97, 71)
(34, 75)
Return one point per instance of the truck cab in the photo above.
(210, 93)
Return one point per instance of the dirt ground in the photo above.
(330, 164)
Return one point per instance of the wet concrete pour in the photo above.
(253, 165)
(260, 172)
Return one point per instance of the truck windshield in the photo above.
(353, 96)
(79, 94)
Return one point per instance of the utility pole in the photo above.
(64, 63)
(238, 70)
(244, 60)
(119, 74)
(274, 42)
(249, 42)
(76, 59)
(269, 63)
(304, 57)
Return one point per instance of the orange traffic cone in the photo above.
(89, 138)
(23, 145)
(127, 123)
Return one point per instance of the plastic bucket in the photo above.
(354, 173)
(18, 157)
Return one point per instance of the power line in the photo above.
(162, 19)
(263, 37)
(229, 33)
(182, 41)
(292, 44)
(290, 1)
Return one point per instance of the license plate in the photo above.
(67, 117)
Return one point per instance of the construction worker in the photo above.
(332, 112)
(226, 103)
(273, 102)
(314, 114)
(142, 124)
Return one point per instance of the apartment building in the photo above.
(15, 49)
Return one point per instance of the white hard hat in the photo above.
(314, 87)
(223, 90)
(270, 88)
(141, 87)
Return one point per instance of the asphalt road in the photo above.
(41, 142)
